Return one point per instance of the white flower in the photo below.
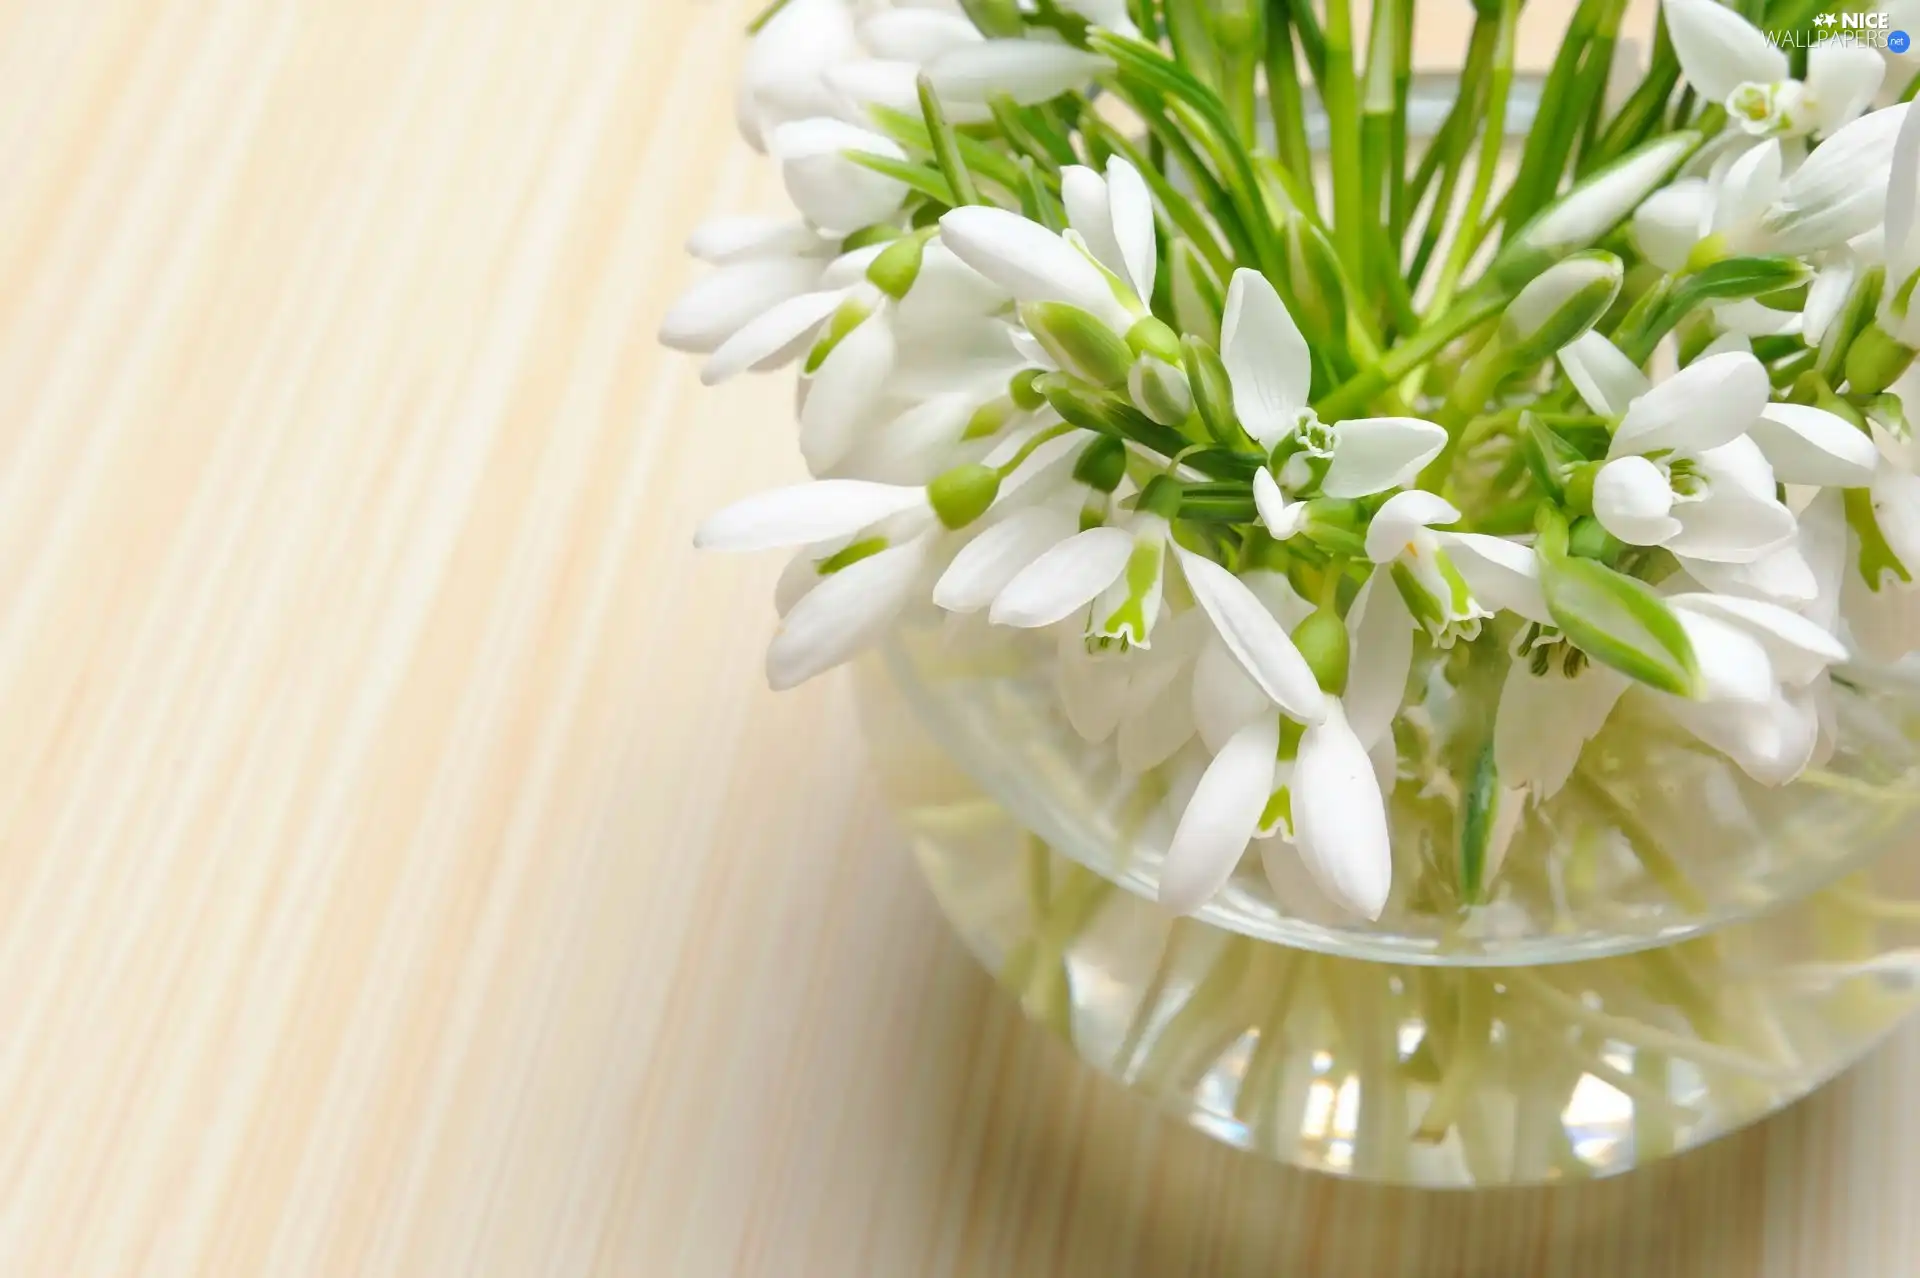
(1114, 215)
(1271, 370)
(1323, 795)
(1033, 264)
(1553, 702)
(785, 77)
(763, 263)
(1028, 71)
(832, 191)
(1731, 62)
(1452, 581)
(1840, 191)
(1681, 471)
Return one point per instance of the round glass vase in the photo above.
(1670, 951)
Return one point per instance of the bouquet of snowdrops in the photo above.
(1095, 338)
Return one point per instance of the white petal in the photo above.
(850, 269)
(774, 337)
(844, 392)
(1633, 501)
(722, 302)
(1084, 193)
(1731, 528)
(1028, 71)
(1719, 50)
(1883, 624)
(1502, 574)
(1799, 649)
(1733, 664)
(1221, 818)
(1903, 196)
(1825, 297)
(871, 82)
(1225, 697)
(1741, 467)
(1131, 207)
(721, 240)
(1064, 579)
(1542, 724)
(847, 612)
(1748, 318)
(1842, 81)
(1373, 454)
(1381, 657)
(801, 574)
(1265, 356)
(1029, 261)
(1750, 184)
(1281, 517)
(1607, 380)
(1671, 222)
(915, 35)
(804, 514)
(1151, 734)
(1092, 687)
(1896, 508)
(1254, 637)
(1704, 405)
(1340, 818)
(1839, 192)
(1772, 741)
(1809, 445)
(782, 78)
(1401, 520)
(915, 446)
(986, 565)
(1781, 576)
(835, 193)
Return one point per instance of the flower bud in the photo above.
(1102, 464)
(1618, 620)
(1079, 342)
(1151, 336)
(1875, 361)
(1560, 304)
(1196, 294)
(1160, 390)
(1212, 391)
(1322, 640)
(963, 494)
(1594, 207)
(1313, 277)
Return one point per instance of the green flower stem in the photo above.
(1470, 312)
(1647, 848)
(1398, 210)
(1535, 987)
(1179, 933)
(1205, 1025)
(1313, 40)
(1340, 95)
(1288, 105)
(1446, 154)
(1540, 163)
(1465, 1057)
(1580, 123)
(1493, 136)
(946, 147)
(766, 15)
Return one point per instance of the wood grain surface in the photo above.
(403, 869)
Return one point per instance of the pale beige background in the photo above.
(402, 868)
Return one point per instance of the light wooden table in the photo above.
(402, 867)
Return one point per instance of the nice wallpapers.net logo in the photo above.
(1868, 30)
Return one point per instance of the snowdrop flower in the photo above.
(1450, 581)
(1731, 62)
(1681, 472)
(832, 191)
(1553, 702)
(1305, 779)
(898, 44)
(1761, 663)
(1271, 371)
(1036, 265)
(1120, 570)
(1028, 71)
(785, 77)
(1881, 599)
(761, 264)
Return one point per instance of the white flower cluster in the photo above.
(1003, 418)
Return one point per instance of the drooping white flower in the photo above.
(1114, 215)
(785, 76)
(1271, 370)
(761, 264)
(1401, 540)
(1733, 63)
(1681, 471)
(1028, 71)
(1034, 264)
(1320, 792)
(834, 192)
